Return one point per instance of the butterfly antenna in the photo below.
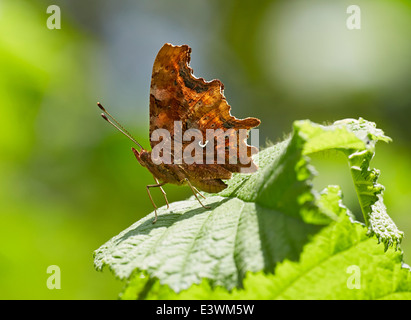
(116, 124)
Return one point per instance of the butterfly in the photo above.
(180, 104)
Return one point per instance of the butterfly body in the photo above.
(179, 173)
(169, 173)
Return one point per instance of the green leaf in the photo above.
(369, 191)
(340, 262)
(255, 224)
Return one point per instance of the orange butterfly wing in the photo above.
(176, 95)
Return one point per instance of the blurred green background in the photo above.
(69, 182)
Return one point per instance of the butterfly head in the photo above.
(143, 156)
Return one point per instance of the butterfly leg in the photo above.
(193, 189)
(149, 194)
(164, 193)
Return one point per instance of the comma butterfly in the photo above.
(183, 107)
